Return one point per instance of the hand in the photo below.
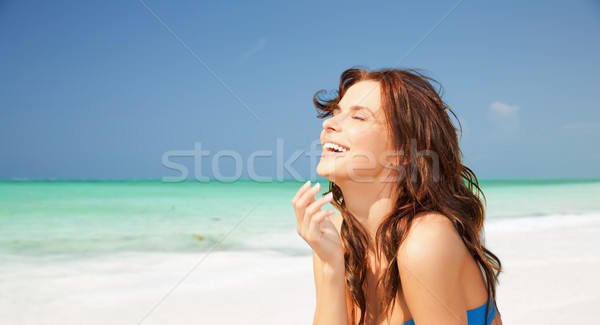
(314, 226)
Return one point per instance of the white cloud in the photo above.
(258, 46)
(505, 117)
(582, 127)
(465, 128)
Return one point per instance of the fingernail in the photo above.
(317, 186)
(306, 184)
(328, 196)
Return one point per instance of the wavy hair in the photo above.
(418, 121)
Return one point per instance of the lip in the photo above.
(327, 153)
(330, 141)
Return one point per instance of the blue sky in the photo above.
(104, 90)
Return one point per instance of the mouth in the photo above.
(334, 148)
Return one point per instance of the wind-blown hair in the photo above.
(418, 121)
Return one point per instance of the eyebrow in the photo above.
(357, 108)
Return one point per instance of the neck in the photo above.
(369, 203)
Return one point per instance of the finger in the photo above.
(314, 230)
(315, 207)
(318, 204)
(305, 199)
(308, 196)
(300, 212)
(300, 191)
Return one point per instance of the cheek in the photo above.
(371, 149)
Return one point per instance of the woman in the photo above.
(406, 247)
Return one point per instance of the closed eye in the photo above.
(358, 117)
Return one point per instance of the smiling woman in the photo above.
(406, 246)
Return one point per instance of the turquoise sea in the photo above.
(132, 252)
(75, 219)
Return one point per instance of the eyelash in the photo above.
(354, 117)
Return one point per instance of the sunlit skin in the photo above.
(362, 172)
(440, 280)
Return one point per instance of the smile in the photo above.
(334, 147)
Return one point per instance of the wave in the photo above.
(542, 222)
(284, 242)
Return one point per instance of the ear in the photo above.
(404, 161)
(396, 160)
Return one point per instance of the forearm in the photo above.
(331, 300)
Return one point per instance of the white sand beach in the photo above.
(551, 270)
(550, 275)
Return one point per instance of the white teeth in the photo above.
(330, 145)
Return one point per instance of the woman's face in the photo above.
(358, 126)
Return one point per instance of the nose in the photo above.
(331, 124)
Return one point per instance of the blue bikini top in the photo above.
(475, 316)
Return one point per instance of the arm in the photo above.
(331, 293)
(328, 254)
(430, 262)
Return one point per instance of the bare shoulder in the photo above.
(430, 263)
(433, 239)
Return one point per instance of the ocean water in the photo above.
(71, 219)
(133, 252)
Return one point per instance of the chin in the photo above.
(323, 171)
(328, 173)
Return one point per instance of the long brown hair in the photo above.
(418, 121)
